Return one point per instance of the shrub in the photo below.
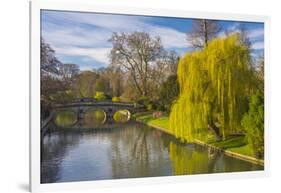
(116, 99)
(100, 96)
(253, 123)
(143, 101)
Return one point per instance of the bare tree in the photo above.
(135, 53)
(68, 71)
(164, 67)
(202, 32)
(244, 35)
(49, 62)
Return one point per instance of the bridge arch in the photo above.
(83, 110)
(94, 116)
(122, 116)
(65, 118)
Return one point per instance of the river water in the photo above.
(128, 150)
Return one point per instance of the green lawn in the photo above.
(233, 143)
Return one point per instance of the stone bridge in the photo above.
(82, 106)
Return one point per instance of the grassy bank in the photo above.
(233, 145)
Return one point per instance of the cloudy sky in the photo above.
(82, 38)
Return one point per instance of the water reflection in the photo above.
(130, 150)
(94, 118)
(65, 118)
(122, 116)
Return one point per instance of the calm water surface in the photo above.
(126, 151)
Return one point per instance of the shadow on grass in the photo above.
(231, 142)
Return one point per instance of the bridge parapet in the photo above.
(110, 108)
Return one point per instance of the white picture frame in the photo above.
(36, 6)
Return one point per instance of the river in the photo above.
(129, 150)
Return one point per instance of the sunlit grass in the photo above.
(235, 144)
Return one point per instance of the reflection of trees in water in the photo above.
(94, 118)
(137, 153)
(240, 165)
(192, 159)
(132, 150)
(57, 143)
(52, 153)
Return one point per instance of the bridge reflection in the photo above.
(91, 114)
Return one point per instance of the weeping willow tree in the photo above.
(215, 84)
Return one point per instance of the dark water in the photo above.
(128, 151)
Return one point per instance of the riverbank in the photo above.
(233, 146)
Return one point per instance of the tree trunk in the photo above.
(216, 130)
(205, 32)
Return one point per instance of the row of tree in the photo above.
(138, 70)
(217, 87)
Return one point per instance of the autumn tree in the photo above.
(202, 31)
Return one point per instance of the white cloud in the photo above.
(111, 22)
(72, 33)
(256, 33)
(96, 54)
(170, 38)
(75, 36)
(86, 35)
(251, 33)
(258, 45)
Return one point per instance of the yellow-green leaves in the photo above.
(214, 86)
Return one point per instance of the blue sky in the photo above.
(82, 38)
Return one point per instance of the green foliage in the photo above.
(149, 107)
(100, 96)
(214, 86)
(253, 123)
(102, 85)
(169, 92)
(116, 99)
(143, 101)
(231, 142)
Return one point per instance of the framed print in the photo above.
(123, 96)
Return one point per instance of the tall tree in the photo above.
(49, 62)
(135, 53)
(215, 85)
(50, 84)
(244, 35)
(68, 73)
(169, 92)
(84, 85)
(203, 30)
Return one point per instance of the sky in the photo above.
(82, 38)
